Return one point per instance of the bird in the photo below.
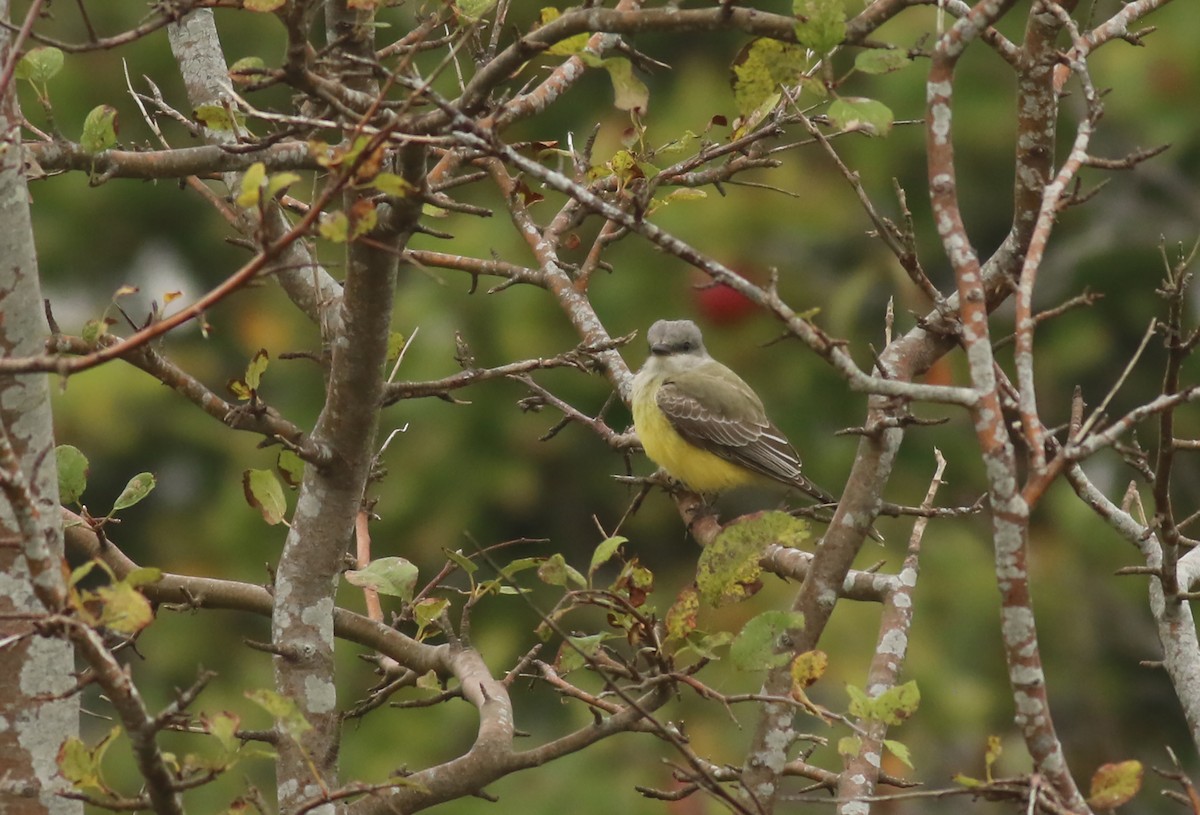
(701, 422)
(703, 425)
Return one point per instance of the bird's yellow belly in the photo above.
(699, 469)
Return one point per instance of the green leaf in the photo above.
(264, 493)
(685, 194)
(83, 570)
(143, 576)
(93, 330)
(138, 488)
(337, 156)
(763, 641)
(555, 571)
(860, 704)
(239, 389)
(462, 561)
(1115, 784)
(761, 67)
(569, 46)
(681, 616)
(363, 218)
(966, 781)
(247, 387)
(867, 116)
(881, 61)
(395, 347)
(290, 467)
(39, 65)
(625, 166)
(896, 704)
(677, 145)
(252, 181)
(808, 667)
(849, 745)
(814, 85)
(605, 552)
(281, 181)
(576, 651)
(472, 10)
(823, 23)
(72, 473)
(744, 124)
(728, 568)
(256, 368)
(247, 69)
(891, 707)
(218, 117)
(99, 129)
(282, 709)
(223, 727)
(80, 765)
(427, 612)
(334, 226)
(635, 583)
(125, 609)
(629, 92)
(706, 645)
(264, 5)
(393, 184)
(393, 576)
(519, 565)
(900, 751)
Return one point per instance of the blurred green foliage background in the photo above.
(476, 473)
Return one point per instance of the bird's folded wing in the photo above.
(748, 439)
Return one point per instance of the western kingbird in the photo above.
(701, 423)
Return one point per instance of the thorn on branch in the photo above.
(889, 422)
(1087, 298)
(677, 794)
(1135, 38)
(1078, 196)
(1128, 162)
(443, 201)
(1136, 458)
(292, 653)
(425, 229)
(54, 329)
(183, 699)
(897, 510)
(948, 326)
(1136, 570)
(1189, 797)
(643, 61)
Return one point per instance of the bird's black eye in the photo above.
(685, 346)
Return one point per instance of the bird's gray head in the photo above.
(675, 338)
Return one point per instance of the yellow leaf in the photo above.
(252, 182)
(1115, 784)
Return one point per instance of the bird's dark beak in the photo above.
(660, 349)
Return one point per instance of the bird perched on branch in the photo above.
(703, 424)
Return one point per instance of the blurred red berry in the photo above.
(722, 305)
